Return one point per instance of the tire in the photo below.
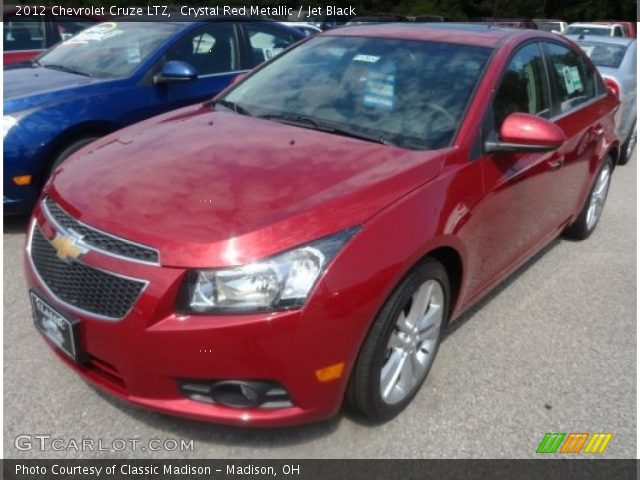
(368, 395)
(71, 149)
(628, 146)
(588, 218)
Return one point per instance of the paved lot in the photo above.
(553, 350)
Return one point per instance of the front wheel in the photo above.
(71, 149)
(399, 350)
(588, 219)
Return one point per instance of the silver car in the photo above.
(616, 61)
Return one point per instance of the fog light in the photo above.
(22, 180)
(237, 393)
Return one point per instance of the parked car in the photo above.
(601, 30)
(307, 236)
(380, 18)
(26, 36)
(616, 59)
(549, 25)
(306, 28)
(522, 23)
(430, 18)
(327, 22)
(629, 28)
(114, 74)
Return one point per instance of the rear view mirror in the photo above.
(176, 71)
(523, 132)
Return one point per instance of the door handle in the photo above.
(555, 162)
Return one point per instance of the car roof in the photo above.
(625, 41)
(462, 33)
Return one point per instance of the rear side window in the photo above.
(265, 42)
(575, 81)
(24, 35)
(210, 49)
(524, 86)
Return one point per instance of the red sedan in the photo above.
(305, 238)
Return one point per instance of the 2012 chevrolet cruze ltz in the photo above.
(302, 240)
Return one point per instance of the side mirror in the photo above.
(522, 132)
(176, 71)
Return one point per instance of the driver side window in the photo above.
(575, 81)
(524, 87)
(211, 49)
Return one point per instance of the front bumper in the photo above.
(143, 357)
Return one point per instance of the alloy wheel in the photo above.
(412, 344)
(598, 196)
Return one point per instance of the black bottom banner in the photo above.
(320, 469)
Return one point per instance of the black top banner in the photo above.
(429, 10)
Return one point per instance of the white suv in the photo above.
(601, 29)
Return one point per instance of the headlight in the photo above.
(8, 123)
(281, 282)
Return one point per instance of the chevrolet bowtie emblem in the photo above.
(68, 247)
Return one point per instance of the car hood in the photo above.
(212, 189)
(30, 87)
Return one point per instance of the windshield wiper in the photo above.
(307, 122)
(297, 121)
(230, 105)
(63, 68)
(361, 136)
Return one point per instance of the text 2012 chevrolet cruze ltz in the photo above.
(304, 239)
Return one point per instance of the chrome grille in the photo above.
(80, 286)
(98, 240)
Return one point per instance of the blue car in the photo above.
(114, 74)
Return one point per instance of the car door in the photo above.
(580, 111)
(213, 51)
(521, 189)
(629, 88)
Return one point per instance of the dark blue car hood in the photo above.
(32, 87)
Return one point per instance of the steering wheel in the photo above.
(442, 111)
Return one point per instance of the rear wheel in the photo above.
(400, 348)
(588, 219)
(628, 146)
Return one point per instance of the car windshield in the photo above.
(602, 31)
(408, 93)
(108, 50)
(604, 54)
